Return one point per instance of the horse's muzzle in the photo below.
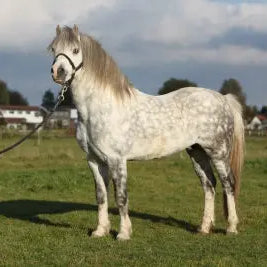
(58, 75)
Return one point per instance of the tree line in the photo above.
(15, 98)
(11, 97)
(229, 86)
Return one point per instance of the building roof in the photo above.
(261, 117)
(26, 108)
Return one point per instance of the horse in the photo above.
(117, 123)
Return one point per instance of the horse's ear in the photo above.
(75, 29)
(58, 30)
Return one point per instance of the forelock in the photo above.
(66, 38)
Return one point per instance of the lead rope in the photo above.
(60, 99)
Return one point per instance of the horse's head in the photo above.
(66, 48)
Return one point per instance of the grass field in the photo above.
(47, 209)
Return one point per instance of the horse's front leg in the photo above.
(118, 170)
(100, 172)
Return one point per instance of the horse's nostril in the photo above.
(52, 71)
(60, 71)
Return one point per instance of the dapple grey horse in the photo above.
(117, 123)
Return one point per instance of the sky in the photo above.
(151, 41)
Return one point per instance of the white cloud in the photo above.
(196, 22)
(181, 29)
(226, 54)
(28, 24)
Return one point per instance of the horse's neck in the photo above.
(90, 100)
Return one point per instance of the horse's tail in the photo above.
(237, 150)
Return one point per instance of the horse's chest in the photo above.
(82, 137)
(86, 142)
(95, 136)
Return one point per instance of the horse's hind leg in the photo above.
(100, 172)
(118, 170)
(201, 163)
(228, 183)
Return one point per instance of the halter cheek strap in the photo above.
(74, 69)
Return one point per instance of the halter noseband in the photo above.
(74, 69)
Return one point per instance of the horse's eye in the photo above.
(75, 51)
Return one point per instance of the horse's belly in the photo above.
(161, 146)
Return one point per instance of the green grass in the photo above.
(47, 208)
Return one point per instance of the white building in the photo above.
(20, 117)
(257, 125)
(74, 114)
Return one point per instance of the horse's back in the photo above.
(195, 92)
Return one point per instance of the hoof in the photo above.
(100, 231)
(97, 234)
(123, 237)
(204, 230)
(200, 231)
(231, 232)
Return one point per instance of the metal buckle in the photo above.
(61, 96)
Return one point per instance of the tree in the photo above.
(4, 95)
(264, 110)
(15, 98)
(48, 100)
(250, 112)
(232, 86)
(174, 84)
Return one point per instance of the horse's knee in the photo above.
(100, 196)
(228, 184)
(209, 185)
(122, 198)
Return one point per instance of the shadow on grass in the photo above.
(28, 210)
